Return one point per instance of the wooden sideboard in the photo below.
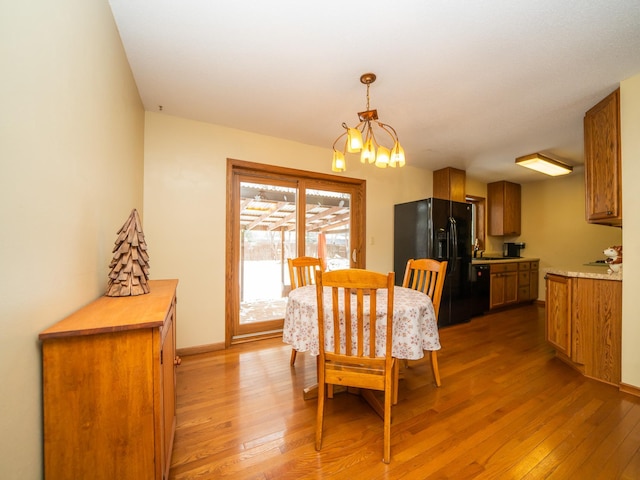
(109, 388)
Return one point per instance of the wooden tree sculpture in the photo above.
(130, 265)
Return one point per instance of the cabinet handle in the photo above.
(177, 361)
(609, 212)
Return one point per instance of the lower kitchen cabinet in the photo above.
(504, 284)
(558, 313)
(513, 282)
(584, 324)
(109, 388)
(527, 281)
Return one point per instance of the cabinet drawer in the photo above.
(524, 293)
(523, 278)
(534, 265)
(504, 267)
(524, 265)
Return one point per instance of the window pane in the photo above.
(268, 238)
(328, 220)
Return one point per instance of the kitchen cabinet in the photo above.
(504, 284)
(449, 184)
(558, 313)
(602, 159)
(503, 199)
(534, 281)
(584, 324)
(109, 388)
(512, 282)
(527, 281)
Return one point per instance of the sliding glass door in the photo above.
(280, 214)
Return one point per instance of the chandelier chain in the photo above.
(368, 85)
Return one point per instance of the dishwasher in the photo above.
(480, 289)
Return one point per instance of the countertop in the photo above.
(589, 270)
(482, 261)
(585, 271)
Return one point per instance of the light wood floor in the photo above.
(507, 409)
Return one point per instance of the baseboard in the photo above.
(635, 391)
(212, 347)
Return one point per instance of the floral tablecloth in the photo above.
(414, 323)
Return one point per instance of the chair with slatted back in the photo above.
(427, 275)
(302, 271)
(352, 360)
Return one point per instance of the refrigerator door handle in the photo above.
(453, 253)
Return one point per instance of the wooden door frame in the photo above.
(262, 171)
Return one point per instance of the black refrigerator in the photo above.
(439, 229)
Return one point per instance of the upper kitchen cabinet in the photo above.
(449, 184)
(504, 208)
(603, 180)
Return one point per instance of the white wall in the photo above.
(630, 119)
(71, 140)
(185, 208)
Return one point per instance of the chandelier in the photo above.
(362, 139)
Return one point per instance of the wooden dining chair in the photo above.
(427, 275)
(351, 360)
(302, 271)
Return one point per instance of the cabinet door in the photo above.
(598, 314)
(449, 184)
(510, 287)
(503, 199)
(524, 288)
(602, 162)
(504, 284)
(533, 281)
(168, 390)
(497, 290)
(558, 313)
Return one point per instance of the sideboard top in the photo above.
(113, 314)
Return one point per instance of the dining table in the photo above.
(415, 327)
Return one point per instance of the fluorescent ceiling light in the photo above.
(543, 164)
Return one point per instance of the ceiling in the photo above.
(471, 85)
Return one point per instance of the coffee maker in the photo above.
(512, 249)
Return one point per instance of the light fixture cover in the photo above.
(368, 154)
(543, 164)
(382, 157)
(354, 140)
(338, 164)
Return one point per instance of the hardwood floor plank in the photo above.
(507, 409)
